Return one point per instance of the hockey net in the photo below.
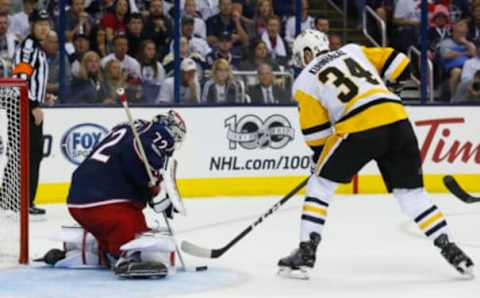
(13, 172)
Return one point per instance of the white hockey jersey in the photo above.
(343, 91)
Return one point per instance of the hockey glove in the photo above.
(162, 204)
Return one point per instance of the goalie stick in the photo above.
(453, 186)
(199, 251)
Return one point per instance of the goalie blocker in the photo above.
(111, 187)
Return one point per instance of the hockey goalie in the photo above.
(108, 193)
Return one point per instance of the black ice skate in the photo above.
(296, 264)
(454, 255)
(133, 267)
(34, 210)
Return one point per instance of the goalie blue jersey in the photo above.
(114, 171)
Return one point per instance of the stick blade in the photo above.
(456, 190)
(195, 250)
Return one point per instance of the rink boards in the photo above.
(238, 151)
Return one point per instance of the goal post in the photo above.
(14, 171)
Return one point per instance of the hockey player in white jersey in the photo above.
(349, 117)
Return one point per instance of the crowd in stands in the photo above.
(453, 40)
(231, 51)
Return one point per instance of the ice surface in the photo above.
(369, 250)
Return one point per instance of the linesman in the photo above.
(31, 65)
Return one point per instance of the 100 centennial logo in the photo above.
(251, 132)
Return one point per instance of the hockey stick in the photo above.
(453, 186)
(123, 100)
(199, 251)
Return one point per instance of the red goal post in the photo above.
(14, 171)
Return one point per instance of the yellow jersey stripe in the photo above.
(431, 220)
(371, 92)
(331, 144)
(316, 143)
(378, 56)
(312, 113)
(377, 114)
(317, 210)
(399, 69)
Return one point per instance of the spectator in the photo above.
(459, 9)
(263, 12)
(276, 46)
(454, 52)
(115, 23)
(153, 73)
(19, 24)
(82, 46)
(99, 8)
(283, 8)
(8, 40)
(474, 25)
(222, 87)
(468, 91)
(440, 26)
(266, 92)
(89, 87)
(229, 21)
(224, 51)
(77, 20)
(335, 42)
(185, 52)
(189, 86)
(197, 44)
(205, 8)
(99, 42)
(322, 24)
(307, 23)
(382, 7)
(135, 33)
(159, 28)
(258, 55)
(407, 20)
(5, 6)
(120, 50)
(246, 7)
(199, 26)
(115, 78)
(472, 65)
(50, 46)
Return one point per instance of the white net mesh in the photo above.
(9, 175)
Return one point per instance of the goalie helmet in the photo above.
(311, 40)
(174, 123)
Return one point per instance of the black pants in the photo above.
(36, 155)
(394, 147)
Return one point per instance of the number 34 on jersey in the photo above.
(344, 91)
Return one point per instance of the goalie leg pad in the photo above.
(149, 255)
(80, 250)
(131, 266)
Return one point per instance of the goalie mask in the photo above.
(174, 123)
(309, 40)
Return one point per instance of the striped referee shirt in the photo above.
(31, 65)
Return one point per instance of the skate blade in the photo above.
(301, 273)
(466, 271)
(143, 274)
